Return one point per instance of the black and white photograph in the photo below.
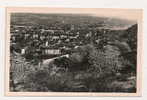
(73, 52)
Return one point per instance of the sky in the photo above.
(128, 14)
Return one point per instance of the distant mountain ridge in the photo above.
(76, 19)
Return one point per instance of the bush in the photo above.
(47, 79)
(88, 69)
(101, 64)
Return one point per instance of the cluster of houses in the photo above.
(53, 41)
(49, 41)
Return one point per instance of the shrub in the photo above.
(101, 63)
(47, 79)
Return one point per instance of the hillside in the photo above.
(76, 19)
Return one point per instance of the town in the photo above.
(55, 41)
(72, 53)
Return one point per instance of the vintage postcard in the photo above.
(73, 51)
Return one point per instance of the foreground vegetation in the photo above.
(88, 69)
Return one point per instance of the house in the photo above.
(48, 51)
(26, 35)
(63, 36)
(42, 37)
(48, 31)
(15, 37)
(54, 51)
(35, 35)
(55, 37)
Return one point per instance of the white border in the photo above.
(124, 13)
(73, 3)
